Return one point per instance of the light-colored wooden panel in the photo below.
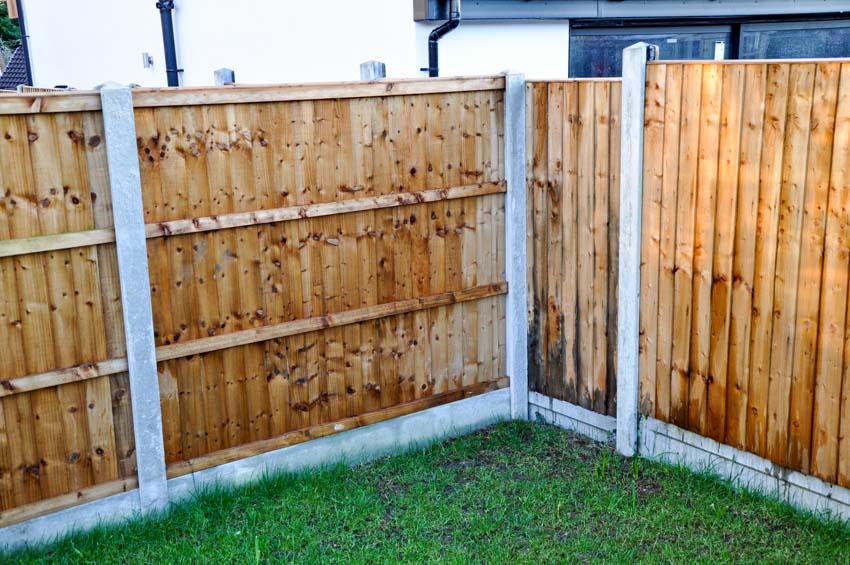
(667, 240)
(703, 258)
(833, 300)
(734, 81)
(786, 288)
(743, 262)
(770, 175)
(653, 175)
(683, 261)
(555, 344)
(801, 402)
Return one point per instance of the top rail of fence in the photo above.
(577, 79)
(746, 61)
(81, 101)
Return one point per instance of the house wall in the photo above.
(87, 42)
(537, 49)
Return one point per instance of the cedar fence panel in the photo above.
(217, 160)
(59, 309)
(744, 263)
(321, 257)
(573, 162)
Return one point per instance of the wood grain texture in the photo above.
(573, 153)
(751, 310)
(59, 309)
(318, 254)
(320, 236)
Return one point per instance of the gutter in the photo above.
(435, 36)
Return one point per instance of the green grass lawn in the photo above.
(515, 492)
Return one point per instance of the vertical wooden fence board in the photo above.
(613, 243)
(743, 262)
(438, 332)
(569, 255)
(765, 255)
(555, 314)
(683, 266)
(602, 101)
(667, 242)
(703, 258)
(653, 163)
(831, 331)
(811, 266)
(724, 239)
(792, 192)
(539, 324)
(585, 188)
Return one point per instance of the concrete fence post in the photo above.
(516, 259)
(372, 70)
(127, 210)
(224, 76)
(631, 191)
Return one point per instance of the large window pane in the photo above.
(795, 40)
(599, 52)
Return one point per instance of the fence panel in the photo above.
(744, 275)
(65, 429)
(376, 291)
(573, 145)
(321, 257)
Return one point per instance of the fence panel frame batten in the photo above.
(516, 260)
(125, 182)
(631, 199)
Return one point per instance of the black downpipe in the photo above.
(438, 32)
(25, 45)
(171, 70)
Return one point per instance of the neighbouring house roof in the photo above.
(15, 72)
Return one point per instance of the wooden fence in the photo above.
(321, 257)
(744, 273)
(65, 431)
(573, 163)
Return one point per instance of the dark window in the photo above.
(795, 40)
(599, 52)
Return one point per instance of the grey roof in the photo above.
(16, 71)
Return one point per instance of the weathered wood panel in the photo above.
(745, 330)
(321, 257)
(573, 149)
(224, 159)
(59, 309)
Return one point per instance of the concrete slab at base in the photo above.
(664, 442)
(350, 447)
(571, 417)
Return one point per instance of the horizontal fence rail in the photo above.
(573, 162)
(52, 102)
(321, 257)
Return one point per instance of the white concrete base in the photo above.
(572, 417)
(664, 442)
(350, 447)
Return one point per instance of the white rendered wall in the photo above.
(87, 42)
(536, 49)
(270, 41)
